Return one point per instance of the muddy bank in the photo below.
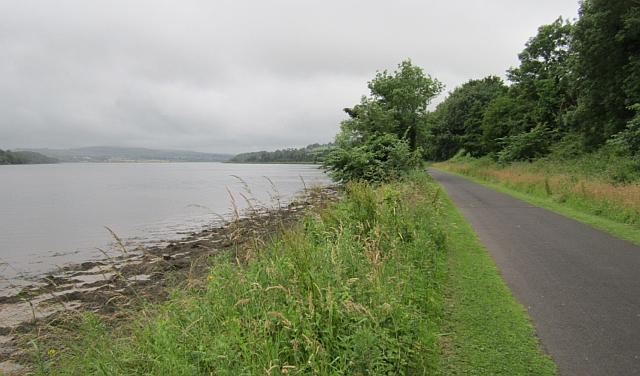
(140, 275)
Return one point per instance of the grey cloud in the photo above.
(226, 76)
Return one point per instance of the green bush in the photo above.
(526, 146)
(381, 158)
(629, 139)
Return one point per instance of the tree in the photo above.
(520, 123)
(629, 139)
(379, 140)
(544, 76)
(527, 145)
(408, 92)
(606, 44)
(456, 122)
(367, 118)
(507, 115)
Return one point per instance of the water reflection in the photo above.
(54, 214)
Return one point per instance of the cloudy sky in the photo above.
(233, 76)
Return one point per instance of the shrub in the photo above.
(381, 158)
(629, 139)
(526, 146)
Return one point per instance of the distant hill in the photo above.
(313, 153)
(24, 157)
(121, 154)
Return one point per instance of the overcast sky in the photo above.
(233, 76)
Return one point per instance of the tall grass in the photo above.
(602, 183)
(354, 289)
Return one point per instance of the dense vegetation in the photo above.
(356, 288)
(576, 90)
(24, 157)
(314, 153)
(379, 141)
(577, 86)
(567, 130)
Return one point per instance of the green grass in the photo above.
(389, 281)
(486, 331)
(579, 193)
(355, 289)
(573, 210)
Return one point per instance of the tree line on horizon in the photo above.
(313, 153)
(577, 89)
(9, 157)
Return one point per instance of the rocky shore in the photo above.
(139, 276)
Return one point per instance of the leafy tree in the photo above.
(456, 122)
(544, 76)
(507, 115)
(368, 118)
(408, 93)
(539, 98)
(379, 140)
(606, 44)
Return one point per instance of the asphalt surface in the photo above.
(580, 285)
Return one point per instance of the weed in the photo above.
(604, 184)
(547, 187)
(352, 289)
(356, 287)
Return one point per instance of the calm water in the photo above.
(51, 215)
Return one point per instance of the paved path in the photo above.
(580, 285)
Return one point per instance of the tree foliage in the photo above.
(367, 119)
(544, 77)
(381, 158)
(629, 139)
(485, 117)
(507, 115)
(407, 93)
(527, 145)
(314, 153)
(577, 88)
(379, 140)
(24, 157)
(574, 79)
(457, 122)
(606, 43)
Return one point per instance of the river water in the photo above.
(52, 215)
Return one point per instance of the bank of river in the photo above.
(53, 215)
(139, 274)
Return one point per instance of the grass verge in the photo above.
(608, 206)
(353, 289)
(390, 280)
(486, 331)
